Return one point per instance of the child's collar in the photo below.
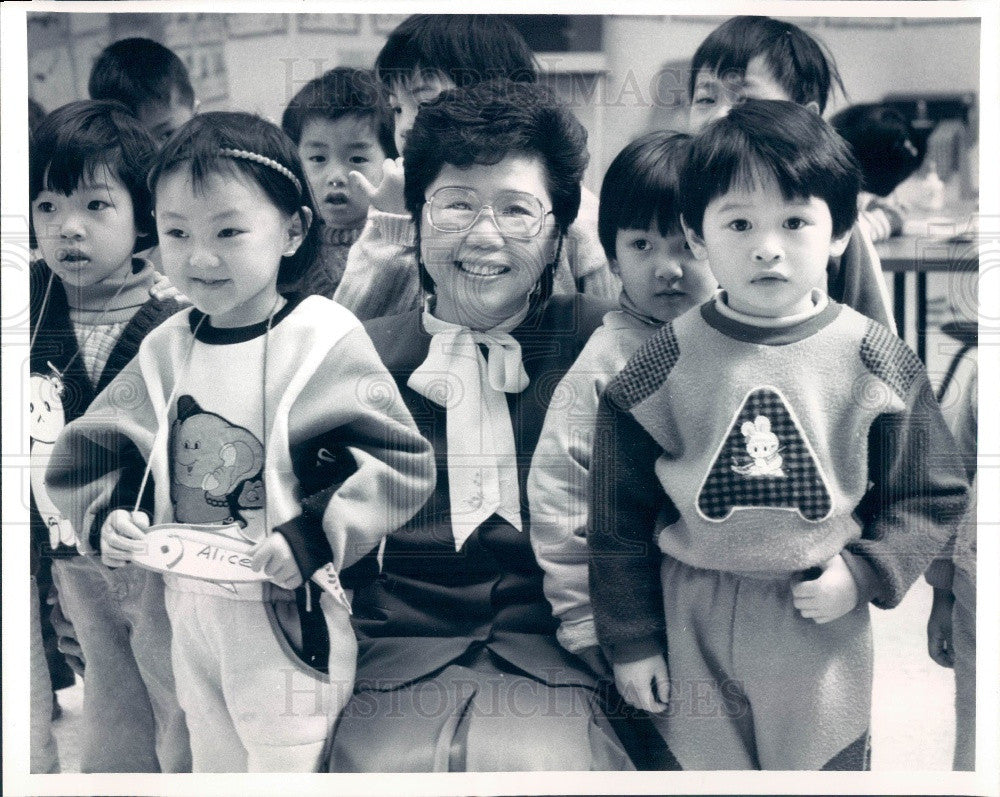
(120, 293)
(748, 329)
(819, 302)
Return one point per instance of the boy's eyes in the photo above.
(739, 225)
(359, 159)
(317, 159)
(641, 244)
(45, 207)
(175, 233)
(796, 223)
(229, 232)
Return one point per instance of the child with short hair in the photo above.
(149, 79)
(90, 212)
(788, 458)
(240, 406)
(755, 57)
(640, 229)
(424, 56)
(341, 123)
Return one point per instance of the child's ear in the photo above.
(298, 226)
(838, 245)
(615, 268)
(695, 242)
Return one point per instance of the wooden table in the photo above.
(939, 250)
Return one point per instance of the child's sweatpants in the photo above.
(251, 704)
(44, 754)
(963, 630)
(131, 719)
(753, 684)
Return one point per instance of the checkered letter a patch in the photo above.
(765, 461)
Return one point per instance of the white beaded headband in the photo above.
(263, 159)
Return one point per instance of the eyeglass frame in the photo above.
(429, 202)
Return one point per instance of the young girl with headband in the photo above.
(239, 406)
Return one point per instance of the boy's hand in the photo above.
(387, 197)
(123, 534)
(163, 289)
(274, 557)
(939, 644)
(828, 597)
(644, 683)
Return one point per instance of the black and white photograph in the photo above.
(544, 403)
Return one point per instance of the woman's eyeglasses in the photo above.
(516, 214)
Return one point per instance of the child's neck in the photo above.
(116, 295)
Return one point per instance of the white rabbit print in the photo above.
(762, 446)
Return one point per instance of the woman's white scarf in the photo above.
(482, 457)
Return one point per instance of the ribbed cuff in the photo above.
(865, 577)
(309, 544)
(394, 228)
(940, 574)
(636, 650)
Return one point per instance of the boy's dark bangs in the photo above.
(731, 55)
(72, 164)
(754, 165)
(644, 200)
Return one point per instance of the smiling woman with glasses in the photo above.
(457, 612)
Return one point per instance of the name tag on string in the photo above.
(218, 554)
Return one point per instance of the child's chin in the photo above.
(346, 216)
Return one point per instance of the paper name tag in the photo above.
(217, 554)
(209, 553)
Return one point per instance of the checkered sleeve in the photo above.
(918, 485)
(624, 560)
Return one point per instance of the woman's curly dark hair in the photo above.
(485, 123)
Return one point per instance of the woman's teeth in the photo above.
(480, 269)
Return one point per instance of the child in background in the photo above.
(640, 229)
(90, 211)
(424, 56)
(753, 57)
(150, 80)
(240, 405)
(788, 457)
(341, 123)
(951, 627)
(887, 153)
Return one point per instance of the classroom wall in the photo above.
(617, 96)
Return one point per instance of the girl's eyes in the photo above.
(45, 207)
(317, 158)
(795, 223)
(98, 204)
(641, 245)
(359, 159)
(739, 225)
(175, 233)
(229, 232)
(458, 205)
